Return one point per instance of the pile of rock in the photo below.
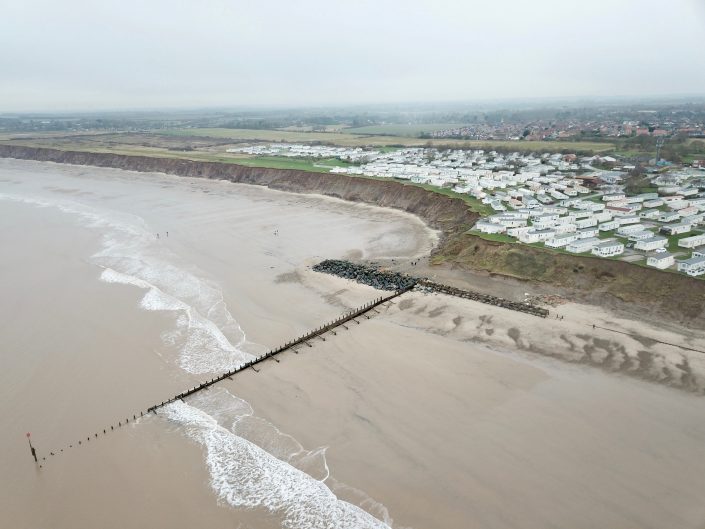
(367, 275)
(526, 306)
(387, 280)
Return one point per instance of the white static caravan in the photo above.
(489, 227)
(692, 242)
(583, 245)
(651, 214)
(629, 219)
(629, 229)
(608, 249)
(561, 240)
(603, 216)
(586, 223)
(587, 233)
(695, 266)
(537, 236)
(687, 212)
(653, 203)
(677, 229)
(651, 244)
(608, 226)
(640, 235)
(669, 216)
(660, 260)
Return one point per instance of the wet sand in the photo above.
(435, 413)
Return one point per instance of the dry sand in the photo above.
(436, 413)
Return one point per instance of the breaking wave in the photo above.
(252, 463)
(245, 475)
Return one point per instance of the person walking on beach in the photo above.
(32, 449)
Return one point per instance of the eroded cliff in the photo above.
(608, 282)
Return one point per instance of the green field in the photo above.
(347, 139)
(282, 162)
(266, 135)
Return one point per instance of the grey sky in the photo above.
(104, 54)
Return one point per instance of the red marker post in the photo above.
(34, 452)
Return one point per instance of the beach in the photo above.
(120, 289)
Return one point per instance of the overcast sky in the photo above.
(109, 54)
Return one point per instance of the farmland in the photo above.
(347, 139)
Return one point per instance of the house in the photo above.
(583, 245)
(660, 260)
(695, 266)
(699, 252)
(611, 197)
(608, 248)
(676, 229)
(692, 242)
(652, 243)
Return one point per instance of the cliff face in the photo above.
(601, 281)
(440, 212)
(642, 291)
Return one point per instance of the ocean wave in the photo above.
(210, 339)
(251, 462)
(246, 476)
(203, 348)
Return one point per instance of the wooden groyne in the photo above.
(319, 332)
(316, 333)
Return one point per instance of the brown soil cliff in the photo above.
(601, 281)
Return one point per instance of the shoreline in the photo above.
(614, 284)
(430, 414)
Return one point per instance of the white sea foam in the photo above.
(210, 339)
(236, 415)
(245, 475)
(203, 346)
(252, 463)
